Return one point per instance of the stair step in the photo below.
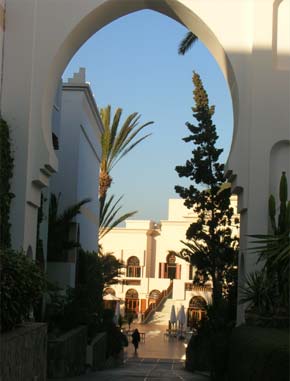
(162, 315)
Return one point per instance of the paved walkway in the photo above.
(156, 344)
(158, 358)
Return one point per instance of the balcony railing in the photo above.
(131, 282)
(193, 287)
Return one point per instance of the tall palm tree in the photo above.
(187, 42)
(117, 142)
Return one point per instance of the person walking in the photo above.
(136, 339)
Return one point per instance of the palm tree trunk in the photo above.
(105, 181)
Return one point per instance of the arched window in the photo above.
(109, 291)
(197, 302)
(153, 296)
(196, 310)
(132, 294)
(133, 267)
(171, 259)
(170, 269)
(171, 266)
(132, 302)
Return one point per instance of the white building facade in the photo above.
(77, 129)
(145, 247)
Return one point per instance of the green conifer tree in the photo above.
(210, 247)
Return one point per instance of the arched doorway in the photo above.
(109, 298)
(196, 311)
(133, 267)
(153, 296)
(132, 302)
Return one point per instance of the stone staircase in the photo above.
(161, 315)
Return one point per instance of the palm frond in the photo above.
(109, 210)
(106, 230)
(59, 242)
(123, 140)
(114, 127)
(128, 150)
(72, 211)
(129, 124)
(117, 141)
(187, 42)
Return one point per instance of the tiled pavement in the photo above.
(158, 358)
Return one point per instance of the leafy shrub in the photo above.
(22, 286)
(116, 340)
(259, 354)
(82, 305)
(267, 291)
(209, 348)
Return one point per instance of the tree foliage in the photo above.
(59, 241)
(111, 268)
(267, 291)
(22, 286)
(81, 305)
(211, 247)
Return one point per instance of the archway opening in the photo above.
(153, 297)
(196, 311)
(132, 302)
(95, 18)
(133, 265)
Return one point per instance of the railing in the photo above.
(192, 287)
(131, 282)
(153, 306)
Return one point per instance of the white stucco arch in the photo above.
(100, 16)
(246, 38)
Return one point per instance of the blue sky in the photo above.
(133, 63)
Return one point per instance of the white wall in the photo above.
(65, 180)
(87, 186)
(79, 156)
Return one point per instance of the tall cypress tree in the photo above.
(210, 246)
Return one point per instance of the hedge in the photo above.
(259, 354)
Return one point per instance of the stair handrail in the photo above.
(153, 306)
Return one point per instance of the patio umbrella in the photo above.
(172, 315)
(181, 319)
(117, 313)
(181, 316)
(110, 297)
